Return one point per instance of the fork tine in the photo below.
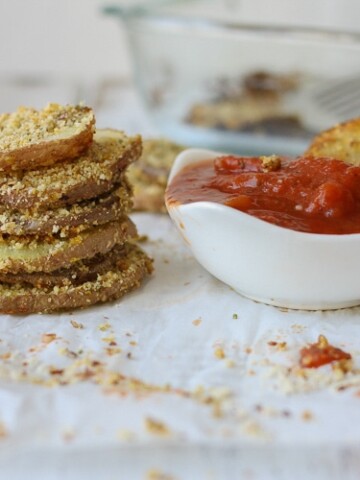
(350, 110)
(346, 111)
(341, 99)
(337, 85)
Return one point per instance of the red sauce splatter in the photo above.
(316, 195)
(321, 353)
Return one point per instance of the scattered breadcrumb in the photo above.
(5, 356)
(254, 429)
(343, 366)
(83, 367)
(66, 352)
(197, 321)
(110, 351)
(295, 379)
(218, 397)
(77, 367)
(68, 434)
(3, 430)
(266, 411)
(297, 328)
(281, 346)
(48, 337)
(75, 324)
(125, 435)
(156, 427)
(56, 371)
(110, 340)
(270, 163)
(155, 474)
(307, 415)
(230, 363)
(103, 327)
(142, 238)
(219, 353)
(36, 348)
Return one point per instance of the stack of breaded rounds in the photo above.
(66, 239)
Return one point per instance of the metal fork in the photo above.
(340, 97)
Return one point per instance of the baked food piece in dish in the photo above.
(234, 113)
(261, 102)
(31, 138)
(97, 171)
(123, 275)
(341, 142)
(150, 173)
(68, 220)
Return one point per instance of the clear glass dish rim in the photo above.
(181, 22)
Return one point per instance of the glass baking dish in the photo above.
(240, 87)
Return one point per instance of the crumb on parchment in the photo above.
(307, 416)
(156, 427)
(281, 346)
(219, 353)
(155, 474)
(68, 434)
(48, 337)
(75, 324)
(5, 356)
(3, 430)
(103, 327)
(230, 363)
(125, 435)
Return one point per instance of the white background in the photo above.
(73, 38)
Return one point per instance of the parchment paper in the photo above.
(184, 363)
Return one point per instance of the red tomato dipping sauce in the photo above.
(321, 353)
(314, 195)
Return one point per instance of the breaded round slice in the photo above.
(148, 175)
(341, 142)
(32, 138)
(37, 254)
(124, 275)
(86, 177)
(85, 270)
(68, 220)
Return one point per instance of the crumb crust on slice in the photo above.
(123, 277)
(45, 254)
(93, 174)
(31, 138)
(341, 142)
(68, 220)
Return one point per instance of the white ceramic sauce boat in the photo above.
(265, 262)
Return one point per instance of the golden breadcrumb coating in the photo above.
(30, 138)
(341, 142)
